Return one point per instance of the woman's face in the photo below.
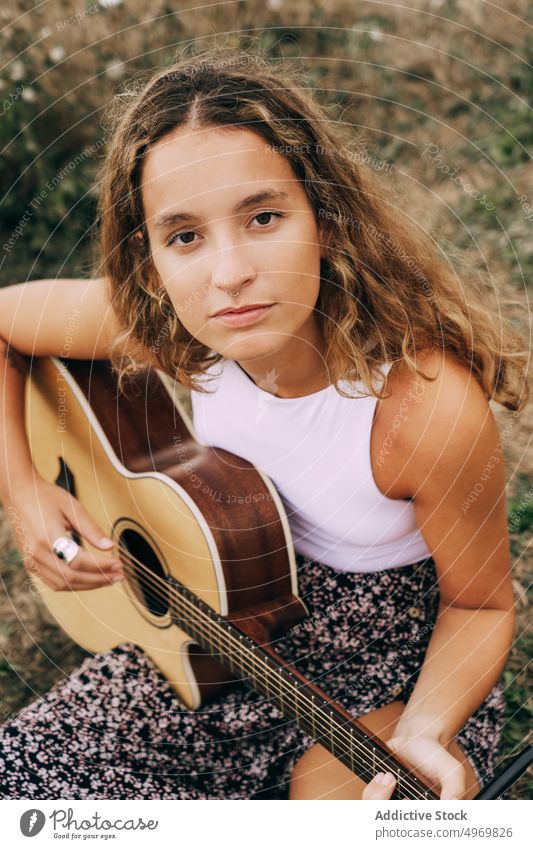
(212, 233)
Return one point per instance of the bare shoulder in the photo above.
(425, 422)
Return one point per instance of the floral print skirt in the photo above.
(115, 729)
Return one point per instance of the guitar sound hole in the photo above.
(145, 572)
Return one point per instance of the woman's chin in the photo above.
(251, 347)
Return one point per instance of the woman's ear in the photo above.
(139, 240)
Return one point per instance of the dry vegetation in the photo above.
(456, 75)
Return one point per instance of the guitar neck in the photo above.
(266, 672)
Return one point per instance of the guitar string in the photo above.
(326, 729)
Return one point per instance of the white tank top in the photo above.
(316, 450)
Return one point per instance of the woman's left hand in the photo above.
(381, 787)
(427, 755)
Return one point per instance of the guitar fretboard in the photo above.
(262, 669)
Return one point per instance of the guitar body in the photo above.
(200, 515)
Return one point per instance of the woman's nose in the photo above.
(231, 270)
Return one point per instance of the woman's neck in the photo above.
(296, 369)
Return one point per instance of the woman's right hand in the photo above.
(43, 511)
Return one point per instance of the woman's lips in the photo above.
(241, 319)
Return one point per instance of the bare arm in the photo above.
(455, 464)
(450, 460)
(51, 317)
(47, 317)
(15, 461)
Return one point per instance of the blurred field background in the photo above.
(454, 74)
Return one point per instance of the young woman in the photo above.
(358, 379)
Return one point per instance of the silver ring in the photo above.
(65, 549)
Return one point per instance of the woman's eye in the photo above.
(173, 239)
(187, 236)
(268, 214)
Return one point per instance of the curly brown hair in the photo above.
(384, 293)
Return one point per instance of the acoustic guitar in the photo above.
(209, 565)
